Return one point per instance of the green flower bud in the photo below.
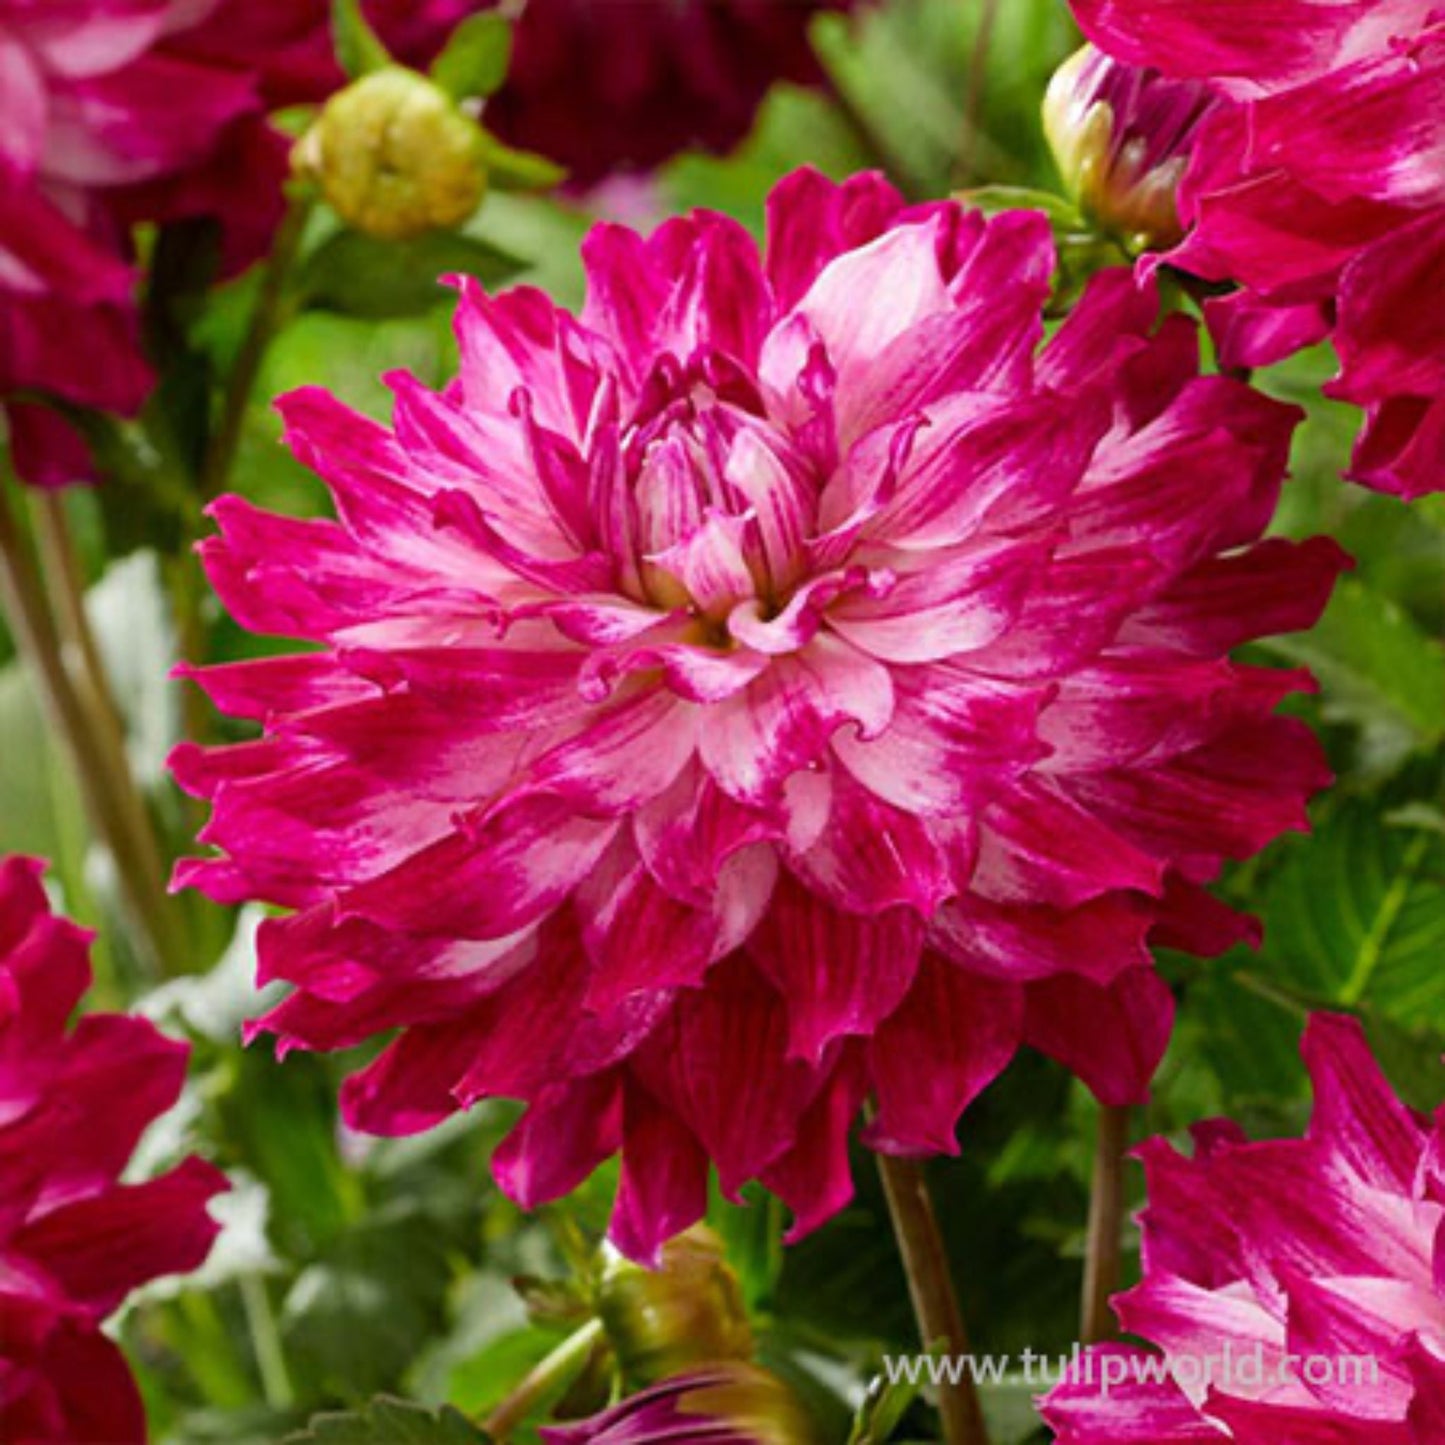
(396, 157)
(666, 1321)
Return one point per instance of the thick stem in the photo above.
(266, 320)
(1103, 1262)
(930, 1284)
(552, 1374)
(106, 786)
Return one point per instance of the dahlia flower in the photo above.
(1320, 187)
(1292, 1286)
(723, 1404)
(104, 120)
(787, 682)
(598, 85)
(74, 1240)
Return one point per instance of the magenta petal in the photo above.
(663, 1190)
(1113, 1038)
(951, 1038)
(569, 1132)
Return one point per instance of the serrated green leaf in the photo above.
(359, 50)
(1378, 671)
(477, 57)
(363, 277)
(387, 1421)
(1355, 917)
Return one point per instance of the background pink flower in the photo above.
(74, 1241)
(787, 682)
(104, 119)
(1322, 191)
(1325, 1248)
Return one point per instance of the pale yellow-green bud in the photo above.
(1122, 137)
(395, 157)
(752, 1403)
(666, 1321)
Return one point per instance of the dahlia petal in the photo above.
(663, 1189)
(495, 877)
(1357, 1115)
(953, 1035)
(1113, 1037)
(872, 856)
(815, 1177)
(812, 220)
(1249, 332)
(86, 1381)
(1138, 1410)
(710, 564)
(564, 1136)
(840, 975)
(103, 1247)
(721, 1066)
(639, 938)
(1273, 587)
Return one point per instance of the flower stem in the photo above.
(1106, 1225)
(553, 1373)
(267, 317)
(116, 810)
(935, 1303)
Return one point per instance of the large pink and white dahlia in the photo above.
(74, 1241)
(788, 681)
(1293, 1286)
(1320, 187)
(104, 120)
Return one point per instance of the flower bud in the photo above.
(686, 1313)
(729, 1403)
(1122, 136)
(396, 157)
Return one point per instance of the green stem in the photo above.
(1102, 1263)
(267, 317)
(266, 1343)
(930, 1285)
(107, 786)
(551, 1375)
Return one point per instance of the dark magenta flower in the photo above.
(1320, 187)
(1314, 1262)
(790, 680)
(74, 1240)
(599, 85)
(106, 119)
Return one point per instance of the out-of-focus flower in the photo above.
(726, 1404)
(1292, 1286)
(1320, 187)
(74, 1240)
(104, 119)
(600, 86)
(1122, 137)
(396, 157)
(785, 682)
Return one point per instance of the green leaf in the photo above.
(1378, 672)
(477, 57)
(514, 170)
(361, 276)
(1355, 918)
(387, 1421)
(359, 50)
(882, 1410)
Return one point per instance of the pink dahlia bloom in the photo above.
(787, 681)
(1320, 188)
(104, 120)
(74, 1241)
(1315, 1263)
(724, 1404)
